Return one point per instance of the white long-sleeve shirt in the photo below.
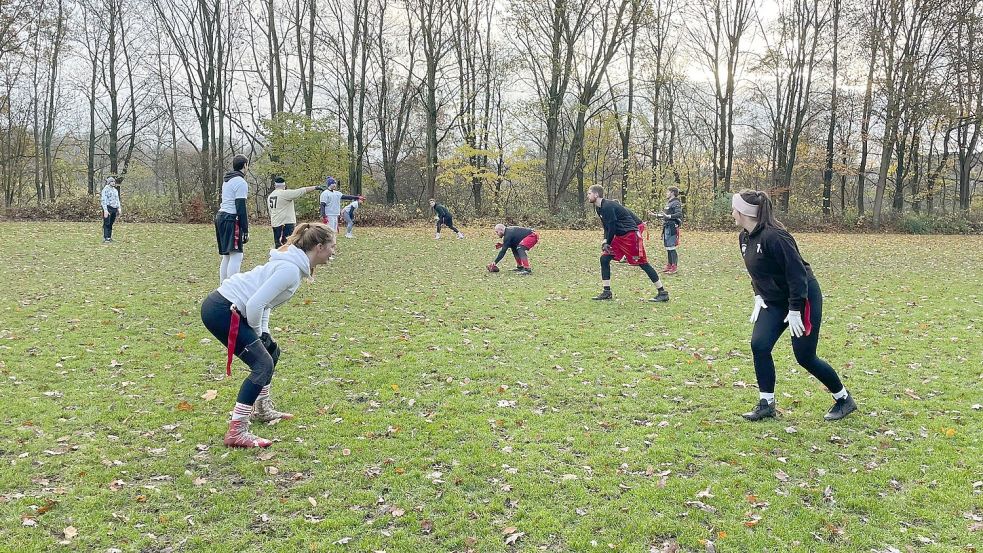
(257, 292)
(109, 197)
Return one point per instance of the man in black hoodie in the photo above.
(231, 222)
(444, 217)
(622, 242)
(518, 239)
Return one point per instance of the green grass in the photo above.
(475, 402)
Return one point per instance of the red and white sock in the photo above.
(241, 412)
(264, 392)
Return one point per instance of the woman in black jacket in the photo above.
(786, 295)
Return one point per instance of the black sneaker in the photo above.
(841, 408)
(662, 296)
(604, 295)
(518, 269)
(763, 410)
(524, 272)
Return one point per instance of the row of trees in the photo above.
(840, 109)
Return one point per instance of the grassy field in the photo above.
(442, 408)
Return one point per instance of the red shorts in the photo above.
(529, 241)
(630, 247)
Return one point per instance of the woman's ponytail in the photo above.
(766, 210)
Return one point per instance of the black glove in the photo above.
(271, 347)
(245, 237)
(320, 188)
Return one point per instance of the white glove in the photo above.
(759, 304)
(794, 320)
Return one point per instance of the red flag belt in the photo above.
(233, 336)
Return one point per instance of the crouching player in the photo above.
(518, 239)
(238, 315)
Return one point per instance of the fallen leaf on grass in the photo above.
(312, 501)
(184, 406)
(704, 494)
(70, 532)
(398, 512)
(426, 526)
(782, 476)
(702, 506)
(209, 395)
(30, 522)
(512, 538)
(342, 541)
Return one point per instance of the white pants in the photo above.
(332, 221)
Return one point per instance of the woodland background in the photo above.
(864, 114)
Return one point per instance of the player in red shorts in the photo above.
(622, 242)
(518, 239)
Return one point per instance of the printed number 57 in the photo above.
(273, 202)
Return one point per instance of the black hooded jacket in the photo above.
(778, 273)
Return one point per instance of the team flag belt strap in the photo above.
(807, 318)
(233, 336)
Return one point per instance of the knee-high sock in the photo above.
(223, 269)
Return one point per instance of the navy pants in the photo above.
(217, 317)
(107, 223)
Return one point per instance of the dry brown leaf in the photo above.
(209, 395)
(70, 532)
(398, 512)
(512, 538)
(509, 530)
(184, 406)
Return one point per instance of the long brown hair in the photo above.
(766, 211)
(308, 235)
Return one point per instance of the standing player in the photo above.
(622, 242)
(231, 222)
(518, 239)
(238, 315)
(787, 295)
(111, 208)
(331, 203)
(443, 217)
(283, 216)
(672, 218)
(348, 214)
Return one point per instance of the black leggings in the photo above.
(770, 326)
(215, 313)
(673, 257)
(606, 269)
(449, 221)
(281, 233)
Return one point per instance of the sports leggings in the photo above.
(215, 313)
(770, 326)
(606, 269)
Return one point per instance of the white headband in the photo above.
(738, 203)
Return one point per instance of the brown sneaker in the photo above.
(263, 411)
(240, 436)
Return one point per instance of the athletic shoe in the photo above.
(661, 297)
(349, 235)
(106, 240)
(263, 411)
(524, 272)
(437, 237)
(841, 408)
(762, 411)
(671, 270)
(518, 269)
(666, 268)
(240, 436)
(604, 295)
(460, 236)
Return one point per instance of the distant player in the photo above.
(231, 222)
(786, 295)
(672, 218)
(348, 215)
(283, 216)
(443, 217)
(331, 203)
(518, 239)
(622, 242)
(111, 208)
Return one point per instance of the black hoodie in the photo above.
(617, 219)
(511, 239)
(778, 273)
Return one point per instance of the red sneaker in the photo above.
(666, 268)
(671, 270)
(240, 436)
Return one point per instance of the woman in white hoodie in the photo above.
(238, 315)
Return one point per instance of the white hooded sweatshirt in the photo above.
(255, 293)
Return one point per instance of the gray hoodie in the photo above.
(257, 292)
